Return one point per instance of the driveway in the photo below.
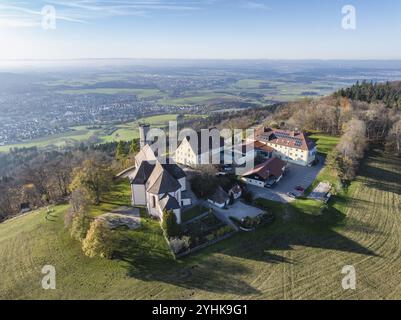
(295, 176)
(238, 210)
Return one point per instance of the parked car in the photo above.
(291, 195)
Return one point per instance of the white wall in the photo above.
(219, 205)
(177, 213)
(138, 194)
(183, 183)
(254, 182)
(185, 155)
(154, 211)
(293, 155)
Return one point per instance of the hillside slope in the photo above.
(281, 261)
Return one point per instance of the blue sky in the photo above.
(206, 29)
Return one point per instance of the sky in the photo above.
(199, 29)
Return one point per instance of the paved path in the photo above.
(222, 214)
(123, 216)
(295, 176)
(238, 210)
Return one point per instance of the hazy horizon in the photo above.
(208, 29)
(18, 64)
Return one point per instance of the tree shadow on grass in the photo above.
(389, 181)
(217, 268)
(212, 274)
(371, 175)
(314, 231)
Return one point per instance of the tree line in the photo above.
(36, 178)
(388, 93)
(332, 114)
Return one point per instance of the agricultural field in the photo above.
(140, 93)
(195, 98)
(299, 256)
(77, 134)
(110, 133)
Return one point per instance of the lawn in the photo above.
(299, 256)
(193, 212)
(325, 143)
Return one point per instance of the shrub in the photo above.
(79, 225)
(210, 237)
(247, 196)
(223, 231)
(205, 183)
(194, 240)
(250, 223)
(169, 224)
(98, 241)
(79, 203)
(179, 244)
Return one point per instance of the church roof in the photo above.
(143, 172)
(145, 154)
(169, 203)
(161, 181)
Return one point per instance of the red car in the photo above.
(299, 188)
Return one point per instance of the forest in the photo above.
(388, 93)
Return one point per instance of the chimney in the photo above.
(143, 131)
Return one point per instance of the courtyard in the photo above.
(296, 175)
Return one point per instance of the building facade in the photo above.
(157, 186)
(265, 174)
(289, 146)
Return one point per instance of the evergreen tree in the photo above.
(121, 152)
(169, 224)
(134, 146)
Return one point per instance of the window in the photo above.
(153, 202)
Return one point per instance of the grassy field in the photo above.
(201, 97)
(325, 143)
(299, 256)
(141, 93)
(193, 212)
(124, 132)
(58, 140)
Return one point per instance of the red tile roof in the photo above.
(287, 138)
(272, 167)
(256, 145)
